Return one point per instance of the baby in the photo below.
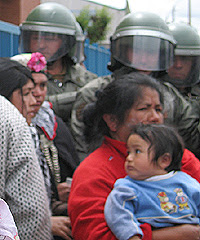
(155, 191)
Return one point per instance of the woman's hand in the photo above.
(182, 232)
(63, 191)
(61, 226)
(135, 238)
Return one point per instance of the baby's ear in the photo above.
(164, 160)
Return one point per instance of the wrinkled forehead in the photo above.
(145, 92)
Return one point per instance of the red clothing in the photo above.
(92, 182)
(191, 165)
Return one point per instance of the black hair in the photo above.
(163, 139)
(116, 98)
(13, 75)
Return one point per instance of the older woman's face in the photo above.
(147, 110)
(24, 101)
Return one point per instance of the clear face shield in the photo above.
(143, 52)
(185, 72)
(79, 55)
(52, 45)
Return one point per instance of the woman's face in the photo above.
(24, 100)
(146, 110)
(40, 89)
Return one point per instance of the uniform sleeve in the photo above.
(85, 96)
(62, 103)
(119, 213)
(63, 95)
(184, 116)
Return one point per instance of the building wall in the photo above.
(16, 11)
(25, 7)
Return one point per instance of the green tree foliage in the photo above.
(95, 26)
(84, 18)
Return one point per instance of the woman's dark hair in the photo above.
(163, 139)
(116, 98)
(13, 75)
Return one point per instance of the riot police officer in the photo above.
(184, 73)
(141, 42)
(51, 29)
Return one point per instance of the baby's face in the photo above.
(139, 164)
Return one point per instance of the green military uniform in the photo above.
(62, 95)
(191, 94)
(194, 96)
(183, 115)
(85, 96)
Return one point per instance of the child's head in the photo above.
(153, 149)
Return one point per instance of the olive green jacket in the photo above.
(63, 94)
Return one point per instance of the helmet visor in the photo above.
(79, 55)
(52, 45)
(143, 52)
(185, 71)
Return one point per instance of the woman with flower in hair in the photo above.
(55, 138)
(49, 124)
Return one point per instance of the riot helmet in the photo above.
(187, 51)
(142, 41)
(50, 29)
(79, 55)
